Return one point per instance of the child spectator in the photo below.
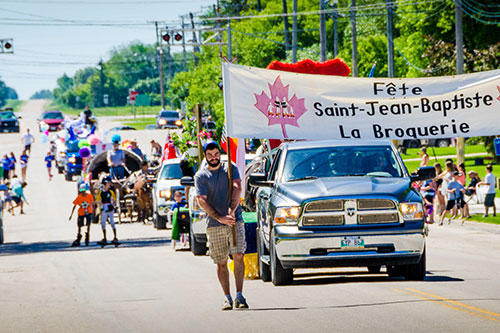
(6, 168)
(174, 210)
(428, 192)
(489, 201)
(24, 164)
(453, 192)
(13, 162)
(48, 162)
(84, 200)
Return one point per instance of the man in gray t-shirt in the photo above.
(116, 161)
(224, 214)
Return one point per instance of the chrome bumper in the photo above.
(164, 209)
(298, 249)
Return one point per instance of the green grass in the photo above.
(107, 111)
(139, 123)
(469, 149)
(13, 103)
(490, 219)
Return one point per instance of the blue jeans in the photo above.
(117, 172)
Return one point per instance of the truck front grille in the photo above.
(368, 204)
(323, 220)
(378, 218)
(339, 212)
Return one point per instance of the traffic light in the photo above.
(6, 46)
(178, 37)
(166, 37)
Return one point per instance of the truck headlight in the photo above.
(287, 215)
(162, 122)
(165, 194)
(72, 160)
(411, 211)
(178, 123)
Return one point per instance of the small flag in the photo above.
(372, 71)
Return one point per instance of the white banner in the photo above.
(261, 103)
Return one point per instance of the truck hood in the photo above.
(167, 183)
(52, 121)
(345, 186)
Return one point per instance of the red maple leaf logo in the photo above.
(278, 108)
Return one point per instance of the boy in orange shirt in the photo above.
(85, 201)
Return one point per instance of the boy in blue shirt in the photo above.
(48, 162)
(453, 195)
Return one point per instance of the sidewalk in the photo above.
(431, 158)
(475, 208)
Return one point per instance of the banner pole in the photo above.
(230, 182)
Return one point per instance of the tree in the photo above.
(42, 94)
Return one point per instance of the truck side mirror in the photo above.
(424, 173)
(259, 180)
(187, 181)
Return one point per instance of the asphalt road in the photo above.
(47, 286)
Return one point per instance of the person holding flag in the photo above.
(224, 212)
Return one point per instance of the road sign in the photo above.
(142, 100)
(105, 99)
(496, 142)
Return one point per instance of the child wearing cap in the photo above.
(106, 197)
(84, 200)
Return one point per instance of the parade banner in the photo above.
(261, 103)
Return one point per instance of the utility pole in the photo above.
(196, 49)
(287, 27)
(335, 32)
(294, 32)
(100, 99)
(184, 45)
(229, 41)
(354, 40)
(390, 43)
(322, 31)
(459, 37)
(162, 88)
(259, 7)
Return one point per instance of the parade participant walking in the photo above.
(48, 163)
(13, 162)
(84, 200)
(116, 159)
(27, 140)
(107, 199)
(87, 115)
(224, 212)
(6, 168)
(172, 214)
(489, 200)
(24, 164)
(453, 190)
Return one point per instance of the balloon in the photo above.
(83, 143)
(84, 152)
(93, 139)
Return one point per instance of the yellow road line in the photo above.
(470, 307)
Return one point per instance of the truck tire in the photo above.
(68, 177)
(416, 272)
(442, 143)
(280, 276)
(264, 270)
(161, 222)
(198, 248)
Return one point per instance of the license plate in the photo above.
(352, 241)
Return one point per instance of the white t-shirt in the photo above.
(28, 138)
(490, 179)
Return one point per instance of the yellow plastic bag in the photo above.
(251, 266)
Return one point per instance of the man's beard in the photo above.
(214, 164)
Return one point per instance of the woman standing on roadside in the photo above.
(439, 194)
(24, 164)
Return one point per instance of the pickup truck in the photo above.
(339, 204)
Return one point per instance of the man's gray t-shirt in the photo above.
(116, 156)
(215, 185)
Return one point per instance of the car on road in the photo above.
(168, 181)
(73, 161)
(9, 122)
(122, 128)
(334, 204)
(53, 119)
(168, 119)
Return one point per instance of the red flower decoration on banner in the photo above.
(278, 108)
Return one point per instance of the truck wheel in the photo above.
(279, 275)
(416, 272)
(374, 269)
(264, 271)
(68, 176)
(442, 143)
(161, 222)
(198, 248)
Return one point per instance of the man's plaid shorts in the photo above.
(220, 241)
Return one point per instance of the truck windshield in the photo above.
(171, 171)
(311, 163)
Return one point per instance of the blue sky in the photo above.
(44, 51)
